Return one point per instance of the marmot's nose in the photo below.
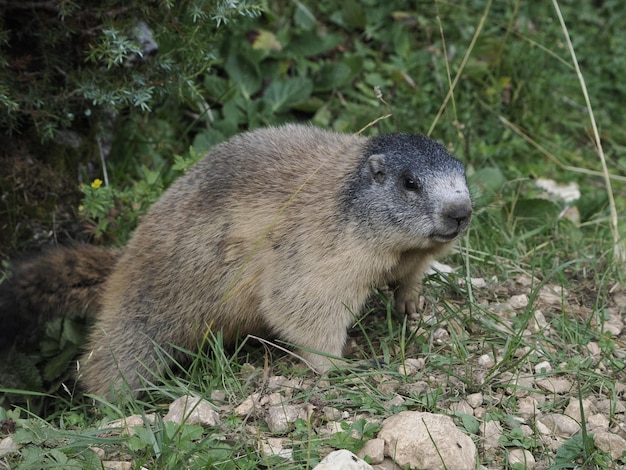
(460, 214)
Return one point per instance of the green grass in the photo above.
(500, 84)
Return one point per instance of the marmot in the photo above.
(282, 231)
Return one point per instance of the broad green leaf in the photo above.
(332, 75)
(244, 73)
(282, 94)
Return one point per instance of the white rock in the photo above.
(128, 424)
(598, 422)
(486, 360)
(333, 427)
(573, 408)
(397, 400)
(248, 406)
(461, 407)
(332, 414)
(7, 446)
(543, 367)
(475, 399)
(375, 450)
(116, 465)
(412, 365)
(528, 408)
(552, 295)
(277, 382)
(610, 443)
(554, 385)
(560, 425)
(280, 417)
(491, 431)
(538, 322)
(518, 302)
(522, 456)
(342, 460)
(274, 446)
(594, 349)
(478, 282)
(192, 410)
(427, 441)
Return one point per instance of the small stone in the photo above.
(518, 302)
(480, 412)
(333, 427)
(528, 408)
(461, 407)
(274, 446)
(283, 384)
(486, 360)
(478, 282)
(598, 422)
(395, 401)
(375, 450)
(542, 428)
(527, 431)
(523, 457)
(593, 349)
(7, 446)
(192, 410)
(281, 417)
(128, 424)
(218, 396)
(560, 425)
(342, 460)
(248, 406)
(552, 295)
(117, 465)
(573, 409)
(538, 322)
(332, 414)
(441, 336)
(475, 399)
(554, 385)
(412, 366)
(96, 450)
(521, 386)
(608, 407)
(491, 432)
(543, 368)
(610, 443)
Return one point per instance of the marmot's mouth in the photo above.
(445, 237)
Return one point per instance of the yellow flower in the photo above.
(96, 183)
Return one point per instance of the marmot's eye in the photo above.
(410, 184)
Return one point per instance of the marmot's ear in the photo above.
(376, 166)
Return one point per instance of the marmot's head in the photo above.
(408, 192)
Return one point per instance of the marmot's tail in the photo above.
(59, 282)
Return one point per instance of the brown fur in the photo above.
(280, 230)
(63, 281)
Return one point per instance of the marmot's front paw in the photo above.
(408, 301)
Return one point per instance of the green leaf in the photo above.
(470, 423)
(282, 94)
(353, 14)
(303, 17)
(309, 44)
(204, 140)
(332, 75)
(244, 73)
